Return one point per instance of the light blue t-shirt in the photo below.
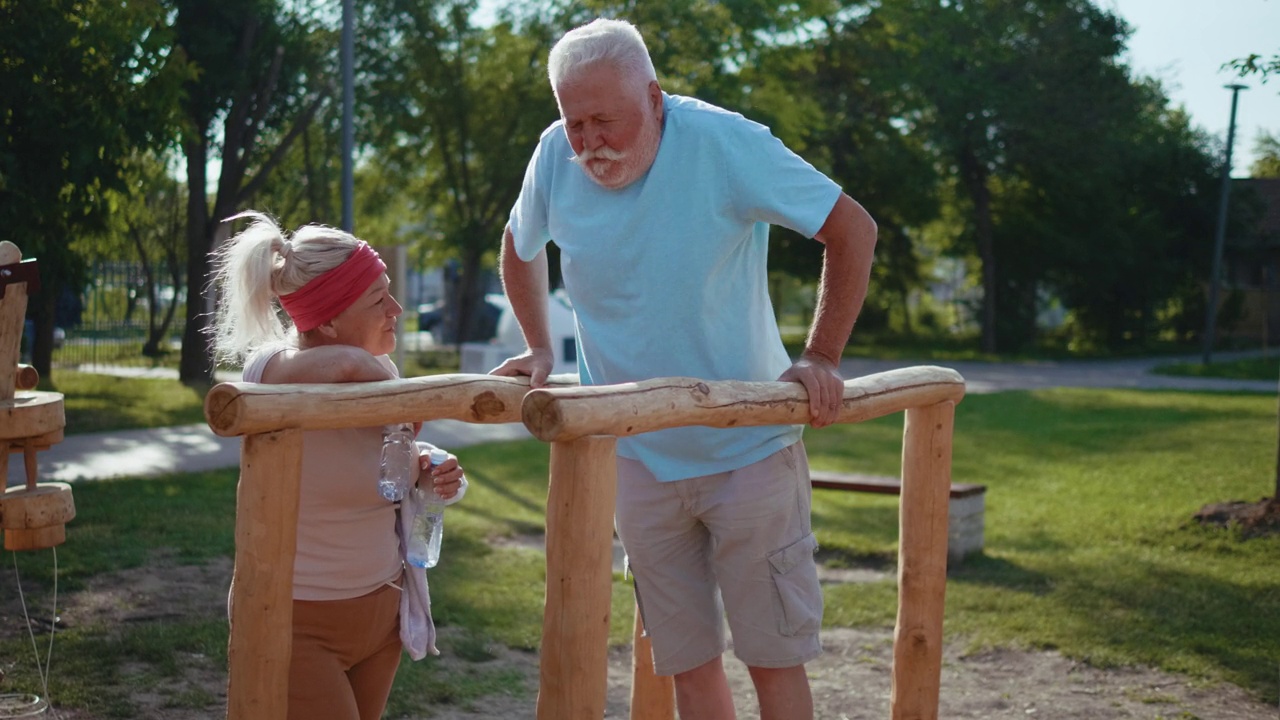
(668, 276)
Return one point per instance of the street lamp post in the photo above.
(348, 110)
(1211, 312)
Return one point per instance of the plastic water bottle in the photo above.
(399, 466)
(428, 524)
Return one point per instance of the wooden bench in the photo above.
(965, 514)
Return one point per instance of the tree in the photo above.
(1004, 94)
(147, 223)
(1268, 163)
(82, 83)
(1255, 64)
(1127, 253)
(834, 98)
(263, 74)
(455, 111)
(1267, 148)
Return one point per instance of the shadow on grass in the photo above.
(1180, 618)
(1052, 425)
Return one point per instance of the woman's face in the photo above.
(370, 322)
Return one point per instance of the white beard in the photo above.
(616, 169)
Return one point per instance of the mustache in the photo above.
(604, 153)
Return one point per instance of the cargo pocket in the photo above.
(798, 597)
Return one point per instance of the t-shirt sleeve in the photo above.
(772, 184)
(386, 362)
(528, 221)
(256, 363)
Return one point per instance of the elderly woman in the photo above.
(355, 602)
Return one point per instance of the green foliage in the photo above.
(1266, 149)
(455, 111)
(147, 227)
(1255, 64)
(83, 84)
(264, 71)
(1005, 150)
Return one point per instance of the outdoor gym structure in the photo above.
(581, 424)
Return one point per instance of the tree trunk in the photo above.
(43, 307)
(471, 311)
(974, 177)
(175, 279)
(196, 364)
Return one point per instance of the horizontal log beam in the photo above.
(559, 414)
(240, 408)
(26, 377)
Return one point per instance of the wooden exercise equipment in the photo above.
(581, 424)
(569, 417)
(33, 515)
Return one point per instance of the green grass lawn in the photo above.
(99, 403)
(1257, 368)
(1090, 547)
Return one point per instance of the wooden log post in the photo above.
(13, 311)
(261, 639)
(26, 377)
(928, 394)
(922, 561)
(575, 626)
(653, 697)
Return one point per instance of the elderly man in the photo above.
(661, 207)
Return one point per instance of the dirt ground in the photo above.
(850, 681)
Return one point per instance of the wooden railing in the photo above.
(582, 424)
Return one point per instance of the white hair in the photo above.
(258, 265)
(614, 42)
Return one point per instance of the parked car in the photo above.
(431, 316)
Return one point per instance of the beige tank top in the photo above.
(347, 543)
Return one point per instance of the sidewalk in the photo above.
(193, 448)
(987, 377)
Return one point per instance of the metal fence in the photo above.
(110, 322)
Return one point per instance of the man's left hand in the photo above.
(821, 379)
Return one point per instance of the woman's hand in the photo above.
(445, 479)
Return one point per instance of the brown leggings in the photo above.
(345, 655)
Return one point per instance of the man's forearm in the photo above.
(850, 237)
(526, 286)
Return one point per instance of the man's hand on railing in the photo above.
(536, 363)
(821, 379)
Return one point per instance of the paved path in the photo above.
(987, 377)
(192, 448)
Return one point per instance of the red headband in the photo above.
(328, 294)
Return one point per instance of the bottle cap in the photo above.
(438, 456)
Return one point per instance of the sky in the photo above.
(1183, 43)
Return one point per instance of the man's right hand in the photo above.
(536, 363)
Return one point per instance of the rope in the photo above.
(19, 706)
